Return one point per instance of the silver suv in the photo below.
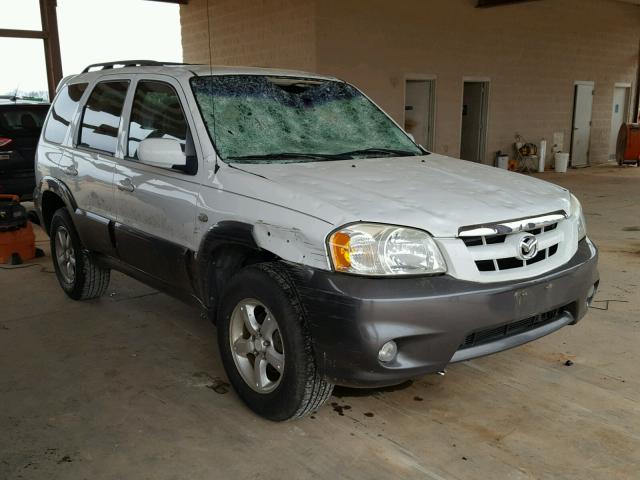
(327, 246)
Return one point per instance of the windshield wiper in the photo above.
(387, 151)
(290, 155)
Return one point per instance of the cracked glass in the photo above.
(266, 119)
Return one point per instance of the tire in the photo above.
(76, 269)
(298, 388)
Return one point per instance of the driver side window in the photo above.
(156, 113)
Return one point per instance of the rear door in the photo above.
(89, 168)
(156, 207)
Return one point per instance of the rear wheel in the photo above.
(78, 273)
(266, 347)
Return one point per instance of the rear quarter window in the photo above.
(62, 111)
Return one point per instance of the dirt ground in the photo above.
(131, 387)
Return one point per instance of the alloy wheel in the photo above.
(65, 255)
(256, 345)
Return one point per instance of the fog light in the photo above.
(388, 351)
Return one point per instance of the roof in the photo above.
(186, 71)
(202, 70)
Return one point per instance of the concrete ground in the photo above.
(131, 387)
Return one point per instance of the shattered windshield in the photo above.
(264, 119)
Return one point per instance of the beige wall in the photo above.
(250, 32)
(532, 53)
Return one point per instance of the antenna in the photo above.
(213, 111)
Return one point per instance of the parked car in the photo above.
(20, 125)
(327, 246)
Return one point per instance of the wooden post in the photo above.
(51, 44)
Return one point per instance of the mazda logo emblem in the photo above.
(528, 247)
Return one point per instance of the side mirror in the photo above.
(161, 152)
(413, 139)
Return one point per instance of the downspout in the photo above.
(636, 103)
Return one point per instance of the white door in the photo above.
(583, 104)
(474, 121)
(619, 115)
(419, 111)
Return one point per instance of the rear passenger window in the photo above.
(101, 117)
(156, 113)
(62, 112)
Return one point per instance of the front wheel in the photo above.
(265, 346)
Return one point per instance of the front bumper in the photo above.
(431, 318)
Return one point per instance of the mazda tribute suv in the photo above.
(327, 246)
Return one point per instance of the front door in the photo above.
(419, 111)
(474, 121)
(581, 125)
(156, 207)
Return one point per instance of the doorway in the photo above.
(475, 106)
(619, 115)
(419, 111)
(581, 134)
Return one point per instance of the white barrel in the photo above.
(503, 161)
(562, 161)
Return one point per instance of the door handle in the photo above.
(126, 185)
(71, 170)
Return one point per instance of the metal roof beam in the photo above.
(13, 33)
(496, 3)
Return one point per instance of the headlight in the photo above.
(372, 249)
(576, 212)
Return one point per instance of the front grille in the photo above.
(510, 329)
(509, 263)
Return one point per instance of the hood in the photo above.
(433, 192)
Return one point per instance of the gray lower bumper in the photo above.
(564, 317)
(431, 317)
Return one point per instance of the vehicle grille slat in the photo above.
(493, 253)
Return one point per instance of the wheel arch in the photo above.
(225, 249)
(53, 194)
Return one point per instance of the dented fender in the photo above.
(289, 243)
(269, 212)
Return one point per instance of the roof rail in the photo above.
(127, 63)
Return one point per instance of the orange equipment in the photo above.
(17, 240)
(628, 145)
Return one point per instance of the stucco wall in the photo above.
(250, 32)
(531, 52)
